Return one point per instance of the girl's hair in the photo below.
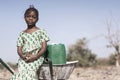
(31, 8)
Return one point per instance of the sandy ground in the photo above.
(4, 74)
(101, 73)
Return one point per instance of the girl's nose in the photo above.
(30, 17)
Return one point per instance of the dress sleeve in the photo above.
(44, 36)
(20, 40)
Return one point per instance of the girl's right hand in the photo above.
(31, 58)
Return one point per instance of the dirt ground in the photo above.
(99, 73)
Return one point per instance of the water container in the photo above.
(57, 53)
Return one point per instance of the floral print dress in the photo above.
(31, 43)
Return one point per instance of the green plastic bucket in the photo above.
(57, 53)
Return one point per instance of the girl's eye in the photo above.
(29, 16)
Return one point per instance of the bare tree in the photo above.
(114, 41)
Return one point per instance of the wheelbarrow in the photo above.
(57, 71)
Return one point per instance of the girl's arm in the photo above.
(20, 53)
(42, 50)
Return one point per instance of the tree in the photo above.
(114, 41)
(79, 51)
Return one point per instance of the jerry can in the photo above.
(57, 53)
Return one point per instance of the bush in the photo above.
(80, 52)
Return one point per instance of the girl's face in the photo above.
(31, 18)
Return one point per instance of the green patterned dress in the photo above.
(31, 43)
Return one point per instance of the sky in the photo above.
(65, 21)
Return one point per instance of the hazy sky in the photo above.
(66, 21)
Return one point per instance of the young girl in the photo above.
(31, 46)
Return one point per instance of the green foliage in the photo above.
(79, 51)
(112, 59)
(102, 62)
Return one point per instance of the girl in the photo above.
(31, 46)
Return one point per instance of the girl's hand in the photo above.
(31, 58)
